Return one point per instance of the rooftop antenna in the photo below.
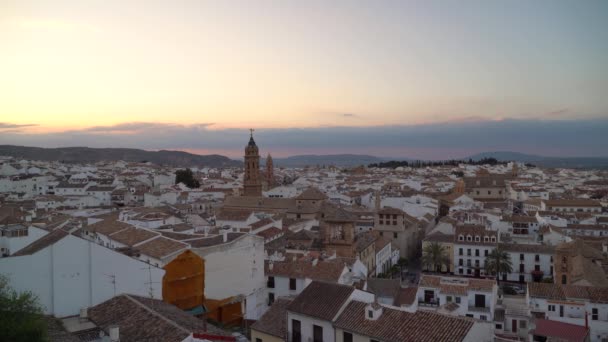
(113, 281)
(150, 282)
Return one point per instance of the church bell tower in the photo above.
(252, 184)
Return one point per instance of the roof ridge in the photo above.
(156, 313)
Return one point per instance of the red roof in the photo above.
(564, 331)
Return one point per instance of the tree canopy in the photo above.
(434, 257)
(187, 177)
(21, 316)
(498, 262)
(425, 163)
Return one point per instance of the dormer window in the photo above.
(486, 239)
(477, 239)
(460, 238)
(370, 314)
(469, 238)
(493, 238)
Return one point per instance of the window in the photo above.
(459, 251)
(537, 258)
(470, 315)
(394, 235)
(270, 283)
(493, 239)
(457, 300)
(521, 257)
(460, 262)
(477, 252)
(258, 340)
(381, 233)
(347, 337)
(564, 279)
(483, 317)
(296, 333)
(469, 238)
(468, 251)
(523, 324)
(370, 314)
(292, 284)
(317, 333)
(477, 239)
(460, 238)
(468, 271)
(489, 192)
(537, 268)
(485, 253)
(498, 326)
(521, 268)
(594, 314)
(551, 308)
(448, 298)
(270, 298)
(486, 239)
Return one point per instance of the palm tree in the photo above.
(434, 256)
(498, 261)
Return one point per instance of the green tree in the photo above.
(434, 256)
(498, 262)
(187, 177)
(21, 317)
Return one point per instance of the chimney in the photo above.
(373, 311)
(114, 333)
(225, 235)
(84, 314)
(315, 261)
(270, 266)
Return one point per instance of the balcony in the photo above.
(479, 309)
(433, 303)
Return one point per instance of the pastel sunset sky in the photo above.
(423, 79)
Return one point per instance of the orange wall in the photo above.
(184, 281)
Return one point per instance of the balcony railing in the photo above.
(478, 309)
(430, 303)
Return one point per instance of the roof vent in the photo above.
(114, 333)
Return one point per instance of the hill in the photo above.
(557, 162)
(87, 154)
(341, 160)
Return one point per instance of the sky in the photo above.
(421, 79)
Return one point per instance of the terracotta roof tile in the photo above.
(321, 300)
(400, 326)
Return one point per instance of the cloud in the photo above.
(52, 24)
(139, 127)
(428, 141)
(350, 115)
(6, 127)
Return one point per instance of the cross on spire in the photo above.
(251, 131)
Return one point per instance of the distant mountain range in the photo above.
(185, 159)
(558, 162)
(340, 160)
(86, 154)
(349, 160)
